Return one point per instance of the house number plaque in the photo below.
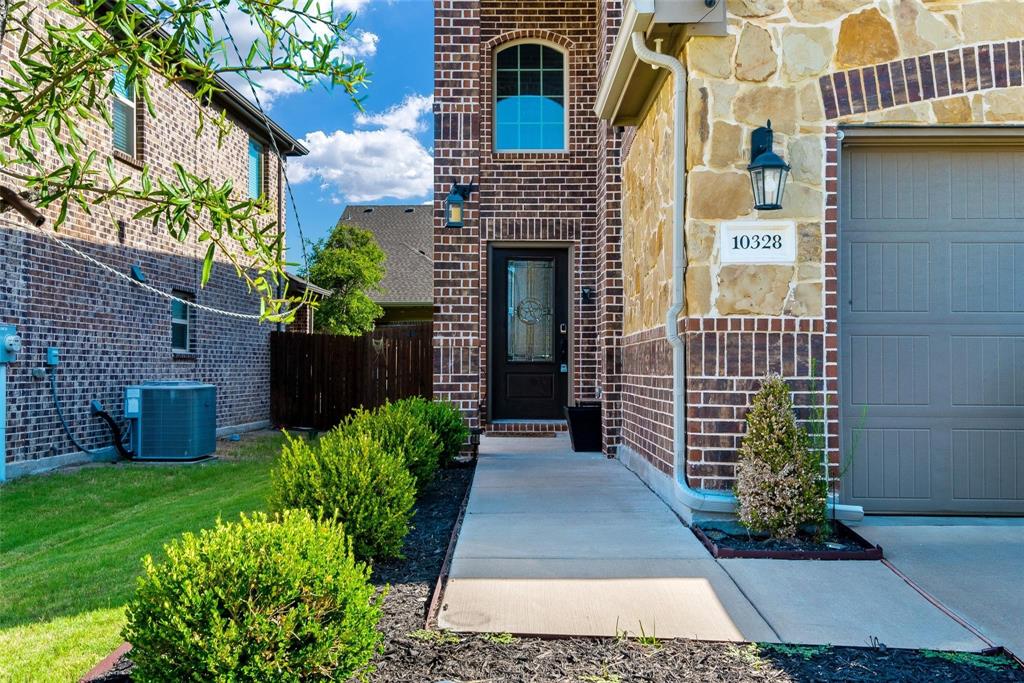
(758, 242)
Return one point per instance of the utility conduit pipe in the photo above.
(697, 500)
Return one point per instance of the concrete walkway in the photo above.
(974, 566)
(559, 543)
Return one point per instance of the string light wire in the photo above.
(52, 234)
(270, 134)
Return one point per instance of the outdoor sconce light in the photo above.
(453, 210)
(768, 172)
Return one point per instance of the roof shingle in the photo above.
(406, 234)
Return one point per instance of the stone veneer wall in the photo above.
(110, 333)
(809, 65)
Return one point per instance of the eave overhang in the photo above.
(629, 86)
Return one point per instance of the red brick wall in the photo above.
(539, 198)
(111, 333)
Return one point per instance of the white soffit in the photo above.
(628, 84)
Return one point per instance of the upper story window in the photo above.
(529, 98)
(122, 113)
(256, 169)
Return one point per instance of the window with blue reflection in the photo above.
(529, 109)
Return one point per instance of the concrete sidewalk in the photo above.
(560, 543)
(974, 566)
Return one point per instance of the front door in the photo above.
(529, 339)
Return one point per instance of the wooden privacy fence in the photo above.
(316, 380)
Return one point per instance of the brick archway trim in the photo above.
(919, 79)
(528, 34)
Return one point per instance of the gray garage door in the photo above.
(931, 301)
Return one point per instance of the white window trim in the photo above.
(133, 134)
(186, 321)
(494, 95)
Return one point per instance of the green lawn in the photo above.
(71, 545)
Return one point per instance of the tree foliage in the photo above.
(350, 263)
(61, 79)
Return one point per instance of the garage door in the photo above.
(931, 301)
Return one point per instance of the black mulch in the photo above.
(735, 537)
(415, 655)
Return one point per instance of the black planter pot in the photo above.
(584, 426)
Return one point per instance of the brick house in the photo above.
(111, 333)
(888, 296)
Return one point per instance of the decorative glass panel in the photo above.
(529, 98)
(531, 296)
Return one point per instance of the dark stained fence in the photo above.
(318, 379)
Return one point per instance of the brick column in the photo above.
(457, 158)
(609, 246)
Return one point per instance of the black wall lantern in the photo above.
(768, 172)
(453, 209)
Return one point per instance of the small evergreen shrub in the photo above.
(779, 480)
(261, 599)
(446, 421)
(350, 477)
(403, 434)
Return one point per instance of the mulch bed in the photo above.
(730, 539)
(417, 656)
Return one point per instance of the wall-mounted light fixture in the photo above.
(768, 172)
(453, 209)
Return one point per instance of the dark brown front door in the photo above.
(529, 340)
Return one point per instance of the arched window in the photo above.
(529, 98)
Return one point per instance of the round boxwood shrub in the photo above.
(349, 476)
(402, 433)
(262, 599)
(780, 484)
(445, 419)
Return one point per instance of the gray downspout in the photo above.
(693, 498)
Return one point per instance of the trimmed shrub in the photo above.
(350, 477)
(780, 485)
(403, 434)
(445, 419)
(261, 599)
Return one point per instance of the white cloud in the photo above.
(407, 115)
(366, 165)
(270, 86)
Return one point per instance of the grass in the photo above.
(72, 543)
(988, 662)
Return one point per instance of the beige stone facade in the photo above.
(812, 67)
(769, 67)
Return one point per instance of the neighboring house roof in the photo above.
(406, 234)
(301, 284)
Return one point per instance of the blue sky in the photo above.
(381, 156)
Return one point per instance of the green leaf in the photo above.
(208, 264)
